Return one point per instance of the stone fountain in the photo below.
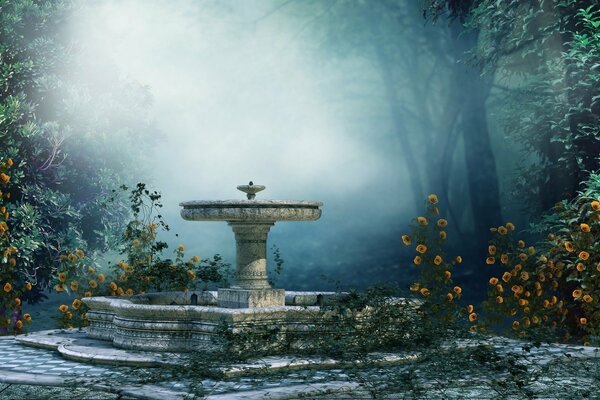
(251, 221)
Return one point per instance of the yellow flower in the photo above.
(515, 324)
(19, 324)
(425, 292)
(63, 308)
(76, 304)
(447, 274)
(521, 243)
(502, 230)
(433, 199)
(472, 317)
(580, 267)
(583, 321)
(510, 226)
(449, 296)
(422, 220)
(69, 315)
(120, 291)
(437, 260)
(87, 294)
(123, 278)
(74, 286)
(587, 298)
(458, 259)
(504, 258)
(196, 259)
(442, 223)
(523, 256)
(10, 162)
(101, 278)
(28, 286)
(443, 235)
(470, 308)
(12, 262)
(93, 284)
(499, 288)
(457, 289)
(506, 277)
(569, 246)
(417, 260)
(4, 178)
(595, 205)
(72, 257)
(191, 274)
(27, 317)
(493, 230)
(91, 270)
(490, 260)
(405, 240)
(113, 286)
(499, 299)
(584, 255)
(473, 328)
(584, 228)
(546, 304)
(129, 292)
(531, 250)
(492, 249)
(415, 287)
(523, 302)
(577, 293)
(527, 322)
(180, 247)
(62, 277)
(59, 287)
(598, 267)
(79, 253)
(493, 281)
(524, 275)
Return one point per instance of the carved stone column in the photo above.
(251, 259)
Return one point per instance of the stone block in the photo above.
(251, 298)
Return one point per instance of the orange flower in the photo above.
(524, 275)
(421, 248)
(502, 230)
(583, 321)
(449, 296)
(584, 255)
(91, 270)
(587, 298)
(437, 260)
(506, 277)
(521, 243)
(10, 162)
(17, 302)
(405, 240)
(504, 258)
(457, 289)
(422, 220)
(443, 235)
(499, 288)
(101, 278)
(499, 299)
(19, 324)
(59, 287)
(28, 286)
(584, 228)
(63, 308)
(425, 292)
(87, 294)
(4, 178)
(458, 259)
(470, 308)
(7, 287)
(447, 274)
(433, 199)
(27, 317)
(129, 292)
(595, 205)
(490, 260)
(442, 223)
(69, 315)
(415, 287)
(580, 267)
(493, 281)
(577, 293)
(93, 284)
(492, 249)
(472, 317)
(569, 246)
(515, 324)
(74, 286)
(510, 226)
(62, 277)
(76, 304)
(113, 286)
(522, 256)
(417, 260)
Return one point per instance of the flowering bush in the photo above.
(440, 294)
(552, 290)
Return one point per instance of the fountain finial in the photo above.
(251, 189)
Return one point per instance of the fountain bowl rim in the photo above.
(250, 204)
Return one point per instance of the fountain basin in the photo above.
(255, 211)
(168, 322)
